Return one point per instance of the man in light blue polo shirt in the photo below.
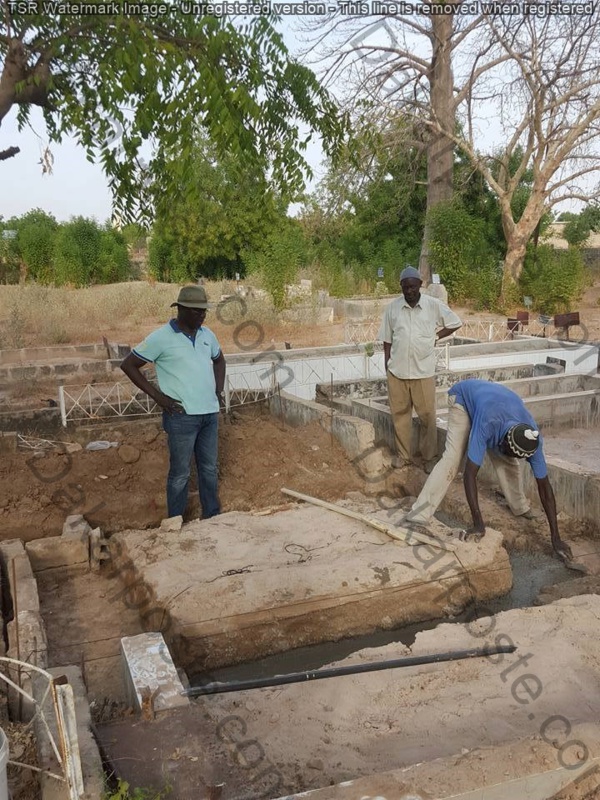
(190, 369)
(486, 417)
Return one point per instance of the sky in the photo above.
(76, 186)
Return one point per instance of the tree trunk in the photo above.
(440, 150)
(513, 266)
(517, 235)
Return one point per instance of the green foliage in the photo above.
(134, 235)
(167, 258)
(37, 232)
(232, 209)
(370, 212)
(278, 259)
(554, 279)
(579, 226)
(370, 209)
(462, 255)
(120, 82)
(125, 792)
(76, 253)
(76, 250)
(113, 264)
(10, 255)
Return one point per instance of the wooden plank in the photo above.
(402, 534)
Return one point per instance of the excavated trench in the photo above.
(531, 572)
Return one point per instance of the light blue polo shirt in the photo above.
(494, 409)
(184, 365)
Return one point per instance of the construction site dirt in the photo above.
(312, 735)
(124, 487)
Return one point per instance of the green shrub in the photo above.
(10, 256)
(278, 260)
(76, 251)
(125, 792)
(168, 259)
(113, 264)
(461, 254)
(554, 279)
(37, 232)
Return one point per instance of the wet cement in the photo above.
(531, 572)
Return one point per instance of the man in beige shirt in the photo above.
(409, 330)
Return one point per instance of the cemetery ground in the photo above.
(123, 488)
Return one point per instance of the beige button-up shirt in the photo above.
(411, 332)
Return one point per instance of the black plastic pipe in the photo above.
(351, 669)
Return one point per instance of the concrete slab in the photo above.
(377, 387)
(508, 726)
(580, 447)
(361, 725)
(150, 674)
(86, 615)
(57, 551)
(25, 629)
(8, 441)
(587, 554)
(558, 411)
(527, 769)
(237, 587)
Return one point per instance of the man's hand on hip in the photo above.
(169, 404)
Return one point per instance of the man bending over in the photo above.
(485, 416)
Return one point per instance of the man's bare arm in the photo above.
(387, 350)
(131, 366)
(219, 370)
(470, 483)
(446, 332)
(549, 504)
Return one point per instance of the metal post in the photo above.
(64, 706)
(15, 596)
(61, 403)
(227, 395)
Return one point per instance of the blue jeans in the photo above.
(192, 435)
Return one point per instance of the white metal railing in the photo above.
(484, 330)
(67, 751)
(101, 400)
(442, 356)
(97, 400)
(361, 332)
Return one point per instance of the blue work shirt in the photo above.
(493, 410)
(184, 365)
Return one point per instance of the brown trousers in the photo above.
(404, 395)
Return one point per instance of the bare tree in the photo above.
(546, 103)
(401, 66)
(525, 88)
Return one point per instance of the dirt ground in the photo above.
(22, 782)
(258, 456)
(124, 487)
